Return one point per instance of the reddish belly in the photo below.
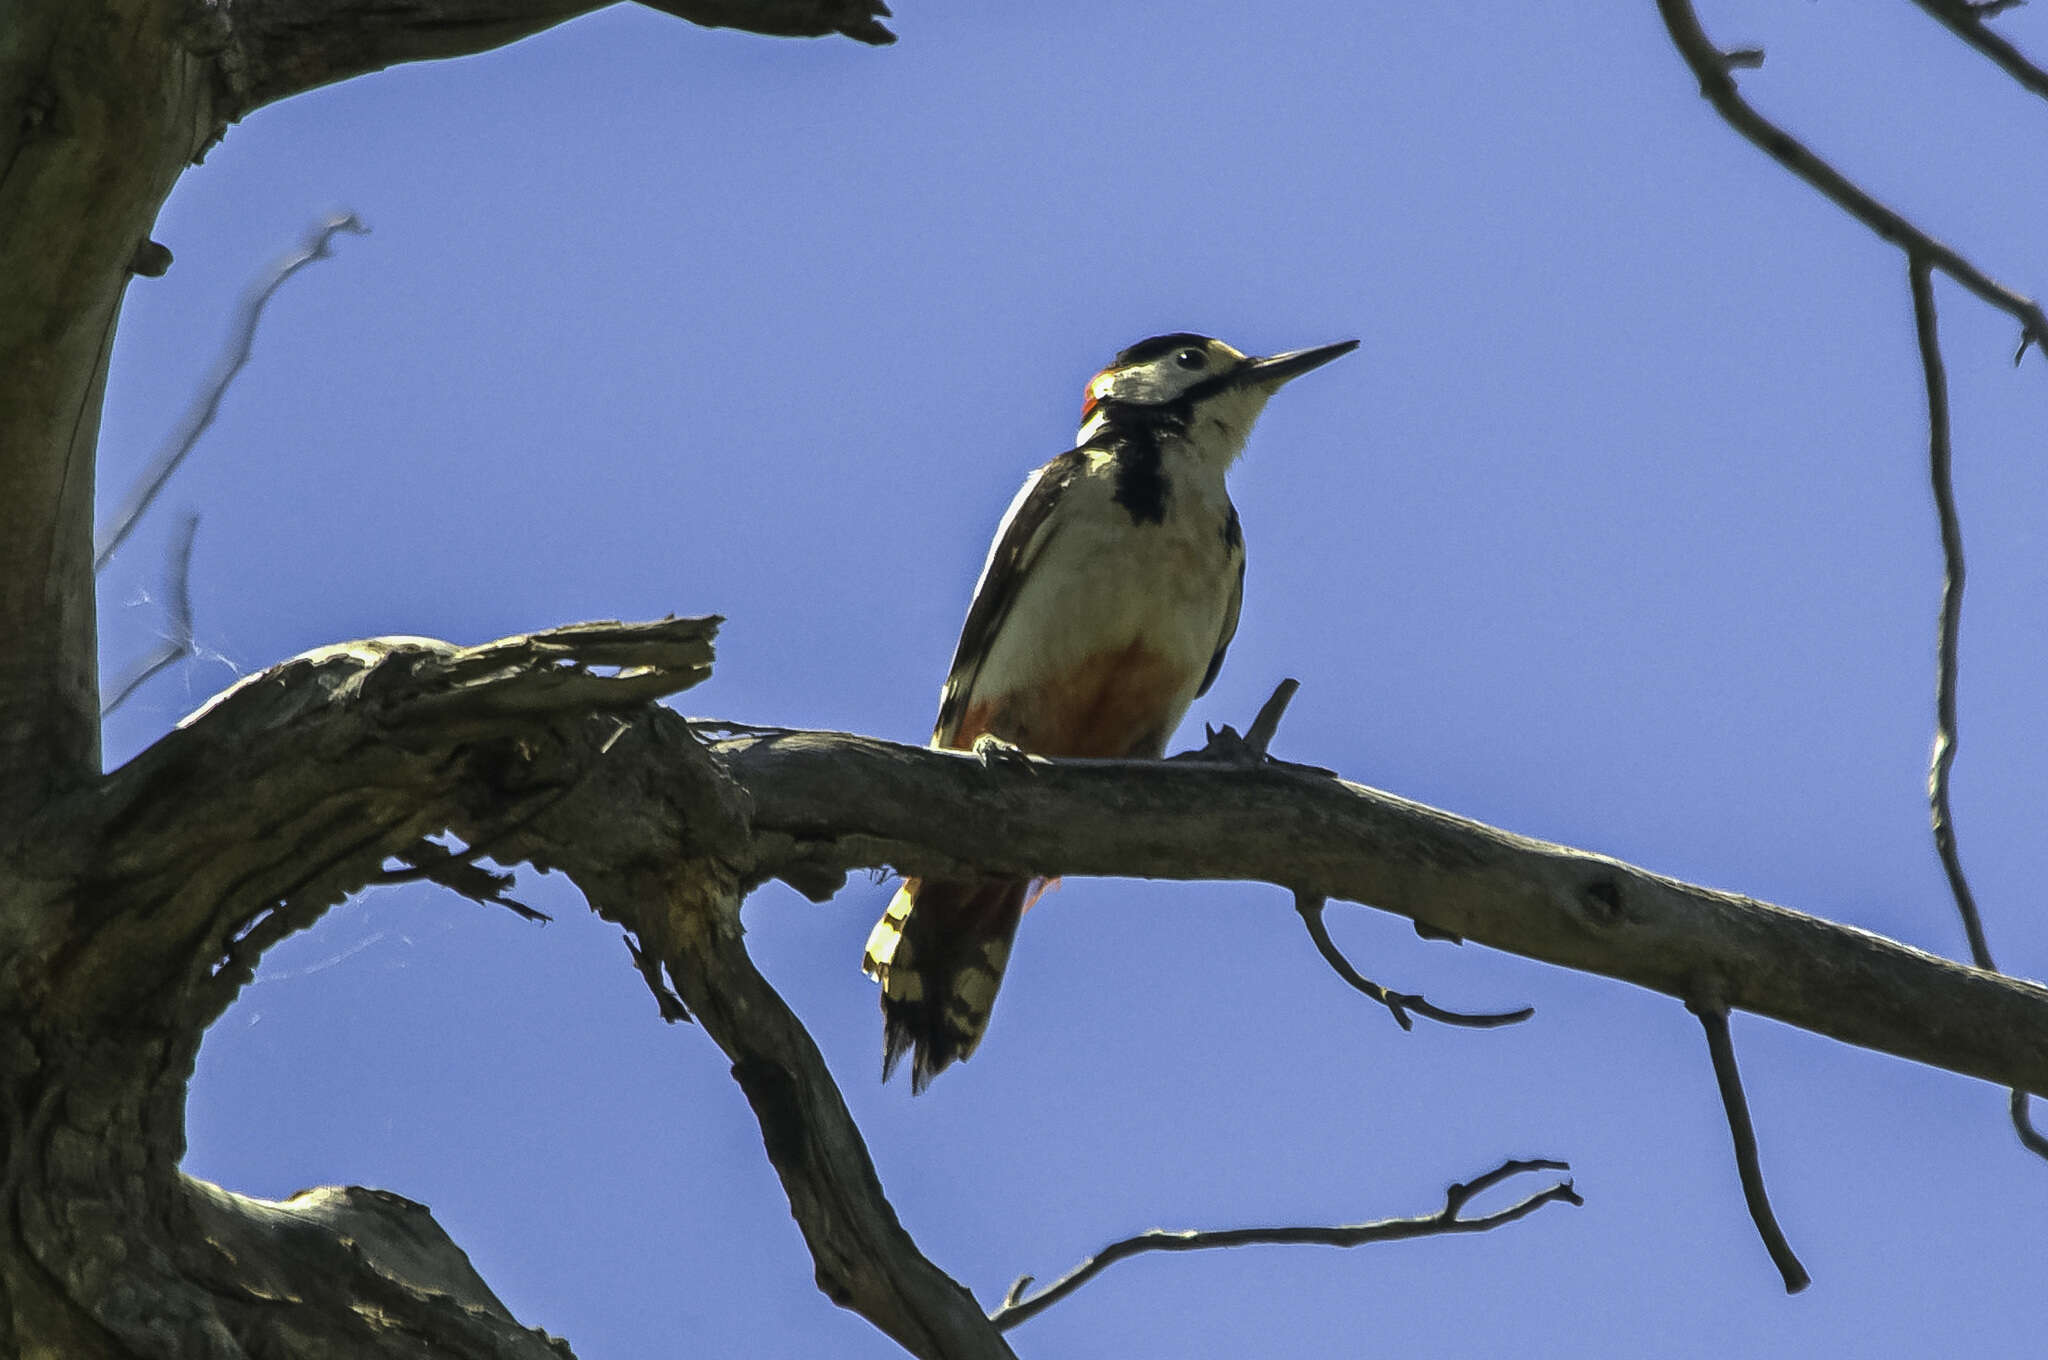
(1111, 705)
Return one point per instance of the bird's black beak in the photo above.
(1270, 372)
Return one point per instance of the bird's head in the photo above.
(1196, 387)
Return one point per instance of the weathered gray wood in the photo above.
(135, 911)
(839, 801)
(273, 49)
(126, 922)
(103, 103)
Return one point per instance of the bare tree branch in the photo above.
(177, 643)
(1948, 633)
(832, 801)
(155, 894)
(1948, 629)
(1711, 66)
(1399, 1004)
(1018, 1307)
(271, 49)
(199, 417)
(865, 1260)
(1965, 19)
(1728, 1077)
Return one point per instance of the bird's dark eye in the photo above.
(1191, 358)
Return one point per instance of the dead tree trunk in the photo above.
(134, 906)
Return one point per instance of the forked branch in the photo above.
(1019, 1305)
(1713, 68)
(1398, 1004)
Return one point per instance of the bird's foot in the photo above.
(992, 751)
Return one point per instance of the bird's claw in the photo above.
(992, 751)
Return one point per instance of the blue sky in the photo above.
(1615, 531)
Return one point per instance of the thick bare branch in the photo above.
(1019, 1307)
(295, 787)
(1712, 66)
(292, 789)
(826, 801)
(271, 49)
(865, 1260)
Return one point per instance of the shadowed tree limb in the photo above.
(1948, 634)
(162, 82)
(1018, 1307)
(152, 899)
(146, 903)
(272, 49)
(833, 801)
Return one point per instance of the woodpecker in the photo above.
(1108, 599)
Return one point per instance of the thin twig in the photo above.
(1711, 66)
(177, 643)
(1948, 628)
(1948, 632)
(1398, 1004)
(1721, 1048)
(1260, 735)
(241, 343)
(1965, 19)
(1016, 1307)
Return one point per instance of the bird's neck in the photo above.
(1204, 441)
(1162, 457)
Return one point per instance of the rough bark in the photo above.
(103, 103)
(134, 906)
(116, 947)
(138, 909)
(827, 801)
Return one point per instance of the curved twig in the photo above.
(1948, 628)
(1398, 1004)
(1017, 1307)
(1948, 633)
(234, 358)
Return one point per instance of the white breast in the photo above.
(1104, 583)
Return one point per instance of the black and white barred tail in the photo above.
(939, 952)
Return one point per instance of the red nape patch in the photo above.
(1089, 399)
